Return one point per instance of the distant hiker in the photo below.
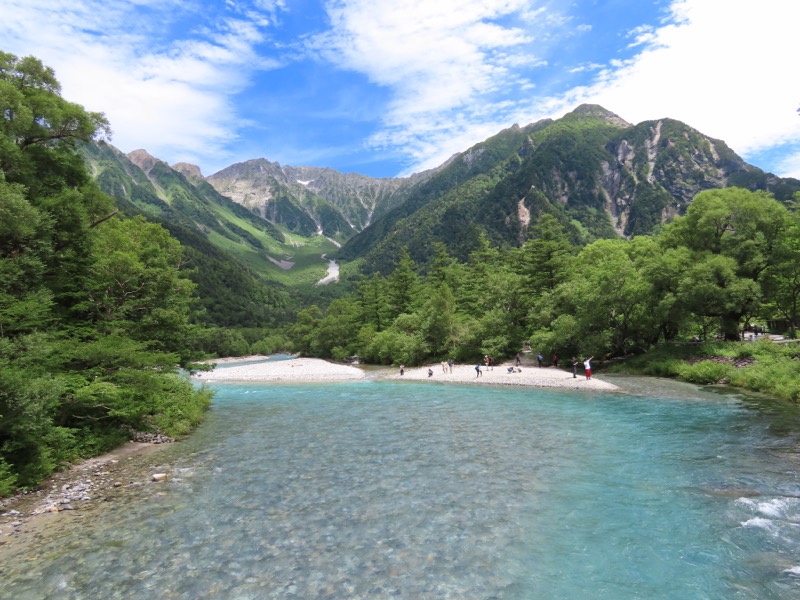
(539, 359)
(517, 360)
(444, 366)
(478, 370)
(587, 366)
(574, 367)
(430, 372)
(402, 369)
(450, 364)
(554, 360)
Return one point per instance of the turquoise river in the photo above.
(416, 490)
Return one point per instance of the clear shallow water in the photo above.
(411, 490)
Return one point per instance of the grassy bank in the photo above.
(762, 366)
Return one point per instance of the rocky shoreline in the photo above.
(127, 470)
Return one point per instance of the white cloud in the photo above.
(725, 67)
(443, 61)
(456, 71)
(172, 95)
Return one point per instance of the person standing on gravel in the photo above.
(587, 366)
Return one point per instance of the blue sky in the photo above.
(391, 87)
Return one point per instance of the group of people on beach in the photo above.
(488, 363)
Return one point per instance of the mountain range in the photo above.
(598, 174)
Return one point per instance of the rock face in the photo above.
(338, 204)
(143, 159)
(188, 170)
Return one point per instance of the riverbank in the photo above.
(762, 366)
(301, 370)
(293, 370)
(70, 495)
(547, 377)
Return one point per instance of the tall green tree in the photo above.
(545, 259)
(736, 233)
(603, 308)
(94, 311)
(781, 280)
(40, 128)
(135, 284)
(402, 285)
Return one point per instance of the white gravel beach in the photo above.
(499, 375)
(295, 369)
(317, 370)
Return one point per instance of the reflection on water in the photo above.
(405, 490)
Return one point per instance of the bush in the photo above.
(705, 372)
(394, 347)
(177, 406)
(272, 344)
(8, 480)
(664, 368)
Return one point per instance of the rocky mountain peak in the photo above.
(143, 159)
(188, 170)
(598, 112)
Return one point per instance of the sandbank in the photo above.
(292, 370)
(499, 375)
(317, 370)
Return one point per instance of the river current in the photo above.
(379, 489)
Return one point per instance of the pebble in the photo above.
(84, 483)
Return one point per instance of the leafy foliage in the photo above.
(730, 260)
(94, 311)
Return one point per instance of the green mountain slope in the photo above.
(599, 175)
(442, 207)
(272, 252)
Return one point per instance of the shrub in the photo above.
(705, 372)
(7, 479)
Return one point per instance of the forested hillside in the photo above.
(95, 309)
(732, 261)
(230, 294)
(598, 175)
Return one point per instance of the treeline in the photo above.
(94, 309)
(732, 260)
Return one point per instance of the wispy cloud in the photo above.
(456, 69)
(725, 67)
(159, 73)
(180, 78)
(452, 66)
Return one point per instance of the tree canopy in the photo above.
(731, 259)
(94, 309)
